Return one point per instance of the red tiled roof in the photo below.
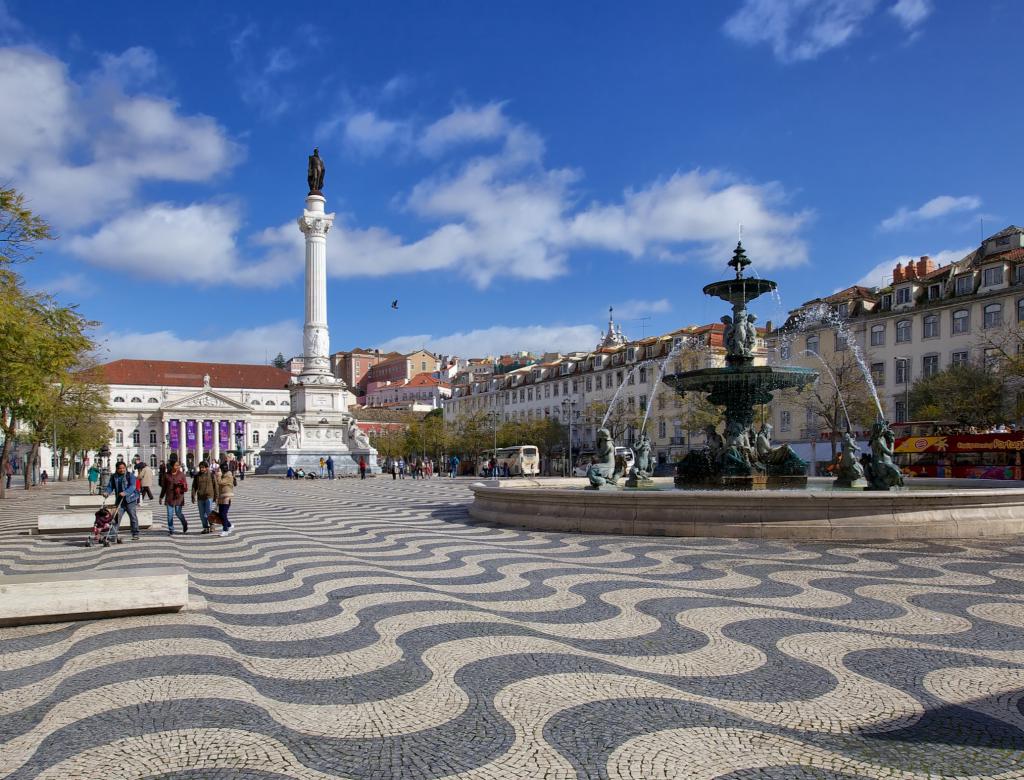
(424, 380)
(177, 373)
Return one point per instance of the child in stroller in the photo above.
(104, 529)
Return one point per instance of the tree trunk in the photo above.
(60, 466)
(31, 465)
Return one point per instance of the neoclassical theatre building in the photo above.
(199, 410)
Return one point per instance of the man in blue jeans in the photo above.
(122, 486)
(453, 466)
(204, 486)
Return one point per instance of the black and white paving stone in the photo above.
(370, 629)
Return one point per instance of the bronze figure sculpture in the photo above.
(315, 173)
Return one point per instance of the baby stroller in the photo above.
(105, 528)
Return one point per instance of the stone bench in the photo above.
(65, 522)
(88, 501)
(86, 595)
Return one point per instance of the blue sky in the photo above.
(506, 170)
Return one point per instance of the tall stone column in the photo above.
(316, 347)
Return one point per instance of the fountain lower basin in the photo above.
(932, 509)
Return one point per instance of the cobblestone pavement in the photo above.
(371, 630)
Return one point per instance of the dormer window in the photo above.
(903, 295)
(631, 354)
(964, 285)
(934, 292)
(887, 301)
(992, 276)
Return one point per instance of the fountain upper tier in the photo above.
(739, 290)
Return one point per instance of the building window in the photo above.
(631, 354)
(931, 326)
(152, 437)
(135, 437)
(785, 420)
(934, 292)
(255, 402)
(661, 400)
(1018, 273)
(840, 342)
(902, 331)
(901, 411)
(903, 295)
(588, 385)
(256, 437)
(812, 344)
(878, 335)
(118, 436)
(930, 365)
(902, 371)
(136, 400)
(643, 375)
(271, 403)
(964, 285)
(661, 428)
(118, 399)
(643, 403)
(961, 358)
(152, 401)
(423, 365)
(784, 350)
(992, 276)
(886, 301)
(993, 315)
(1020, 309)
(878, 373)
(152, 461)
(961, 321)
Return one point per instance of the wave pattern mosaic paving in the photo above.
(372, 630)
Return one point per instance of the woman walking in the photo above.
(94, 478)
(225, 492)
(172, 494)
(145, 481)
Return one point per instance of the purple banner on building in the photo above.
(240, 432)
(173, 434)
(208, 435)
(224, 433)
(190, 434)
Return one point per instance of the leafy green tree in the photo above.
(967, 394)
(279, 361)
(698, 413)
(20, 229)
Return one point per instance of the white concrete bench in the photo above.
(65, 522)
(88, 501)
(86, 595)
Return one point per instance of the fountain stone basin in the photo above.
(729, 383)
(932, 509)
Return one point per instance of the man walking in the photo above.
(330, 467)
(9, 472)
(453, 466)
(362, 468)
(172, 495)
(122, 486)
(204, 487)
(145, 480)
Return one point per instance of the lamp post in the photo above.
(569, 410)
(906, 385)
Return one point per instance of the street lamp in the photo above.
(906, 385)
(569, 410)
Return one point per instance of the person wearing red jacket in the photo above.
(172, 495)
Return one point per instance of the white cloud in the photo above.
(502, 339)
(462, 125)
(506, 213)
(81, 150)
(911, 13)
(368, 133)
(634, 309)
(189, 244)
(933, 209)
(881, 274)
(78, 284)
(245, 345)
(798, 30)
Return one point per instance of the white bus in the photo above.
(583, 463)
(522, 460)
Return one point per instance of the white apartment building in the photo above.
(926, 320)
(580, 386)
(423, 393)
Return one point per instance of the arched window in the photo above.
(118, 399)
(878, 335)
(136, 399)
(255, 402)
(152, 461)
(812, 344)
(152, 437)
(993, 315)
(284, 403)
(961, 321)
(118, 436)
(902, 331)
(135, 437)
(152, 401)
(271, 403)
(931, 326)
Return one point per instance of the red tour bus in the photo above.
(966, 455)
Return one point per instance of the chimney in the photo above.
(897, 273)
(925, 265)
